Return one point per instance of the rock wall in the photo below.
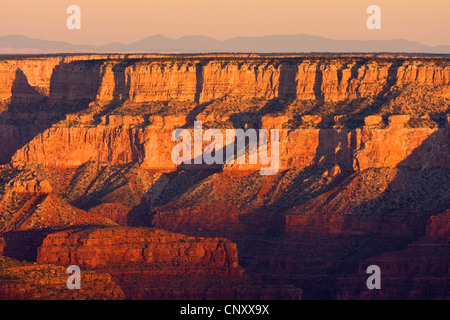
(150, 145)
(133, 135)
(86, 138)
(104, 247)
(26, 281)
(188, 79)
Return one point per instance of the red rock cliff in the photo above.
(100, 247)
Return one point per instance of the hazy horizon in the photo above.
(226, 39)
(104, 21)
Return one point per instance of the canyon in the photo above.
(86, 176)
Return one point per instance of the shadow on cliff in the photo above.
(387, 93)
(110, 182)
(356, 108)
(24, 244)
(121, 91)
(185, 177)
(399, 214)
(388, 223)
(33, 112)
(20, 111)
(188, 176)
(192, 115)
(287, 90)
(263, 231)
(333, 152)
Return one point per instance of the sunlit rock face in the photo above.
(87, 177)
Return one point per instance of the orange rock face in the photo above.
(394, 146)
(26, 281)
(168, 266)
(152, 147)
(363, 174)
(127, 245)
(110, 77)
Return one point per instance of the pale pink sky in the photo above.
(105, 21)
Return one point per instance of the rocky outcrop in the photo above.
(39, 210)
(162, 81)
(120, 143)
(394, 145)
(166, 265)
(362, 178)
(239, 79)
(28, 183)
(128, 245)
(152, 94)
(145, 79)
(26, 281)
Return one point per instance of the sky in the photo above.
(105, 21)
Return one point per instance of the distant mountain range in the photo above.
(300, 43)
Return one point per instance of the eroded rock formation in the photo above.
(27, 281)
(363, 175)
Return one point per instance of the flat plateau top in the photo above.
(228, 55)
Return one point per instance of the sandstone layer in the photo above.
(189, 79)
(167, 265)
(26, 281)
(123, 245)
(87, 175)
